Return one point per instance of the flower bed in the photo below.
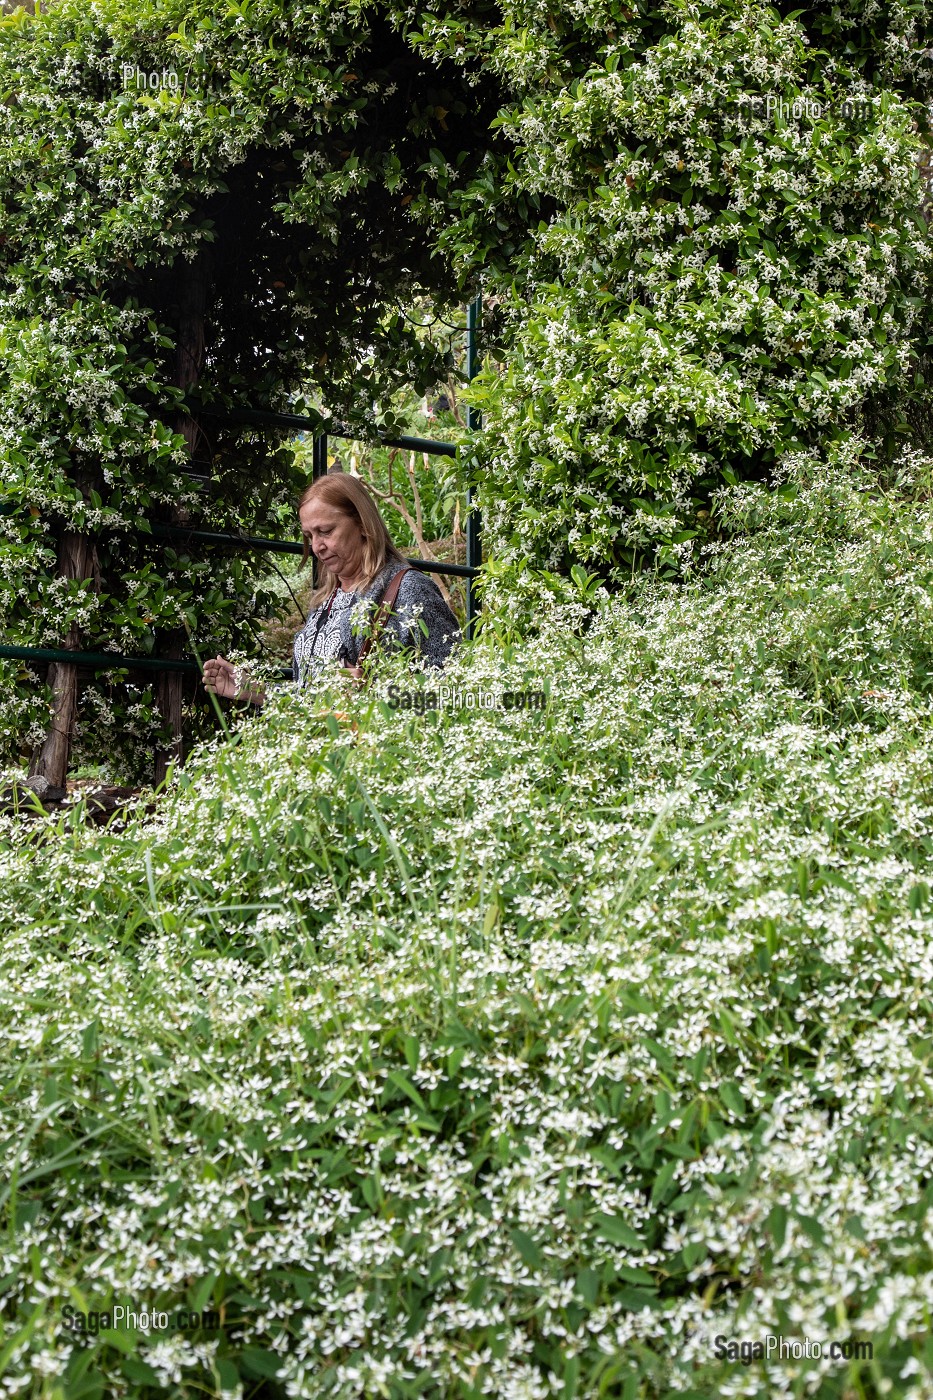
(479, 1052)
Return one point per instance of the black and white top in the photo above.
(335, 631)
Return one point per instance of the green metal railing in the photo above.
(105, 661)
(101, 660)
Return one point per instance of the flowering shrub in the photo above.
(729, 265)
(697, 227)
(197, 210)
(470, 1053)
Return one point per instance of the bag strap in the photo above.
(386, 603)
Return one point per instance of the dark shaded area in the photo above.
(291, 303)
(36, 798)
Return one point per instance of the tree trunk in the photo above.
(189, 360)
(75, 561)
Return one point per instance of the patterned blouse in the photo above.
(335, 631)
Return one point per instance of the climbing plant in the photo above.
(199, 208)
(730, 267)
(696, 228)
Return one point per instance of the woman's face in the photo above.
(336, 539)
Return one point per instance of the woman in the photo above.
(357, 601)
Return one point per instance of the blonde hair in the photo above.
(348, 494)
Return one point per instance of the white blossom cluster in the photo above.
(509, 1055)
(710, 289)
(108, 194)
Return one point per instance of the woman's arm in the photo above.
(421, 601)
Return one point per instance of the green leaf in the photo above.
(694, 1253)
(812, 1227)
(731, 1097)
(229, 1374)
(412, 1051)
(256, 1362)
(140, 1372)
(126, 1340)
(663, 1180)
(397, 1078)
(587, 1285)
(528, 1250)
(777, 1225)
(615, 1230)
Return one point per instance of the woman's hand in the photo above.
(220, 679)
(355, 672)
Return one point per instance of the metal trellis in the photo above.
(107, 661)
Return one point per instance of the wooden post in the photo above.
(75, 561)
(189, 361)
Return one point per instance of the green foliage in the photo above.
(718, 279)
(682, 288)
(259, 162)
(468, 1052)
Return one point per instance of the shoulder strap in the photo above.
(386, 603)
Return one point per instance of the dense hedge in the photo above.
(473, 1052)
(171, 175)
(689, 278)
(732, 266)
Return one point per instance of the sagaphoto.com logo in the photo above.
(776, 106)
(135, 1317)
(145, 80)
(154, 80)
(451, 697)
